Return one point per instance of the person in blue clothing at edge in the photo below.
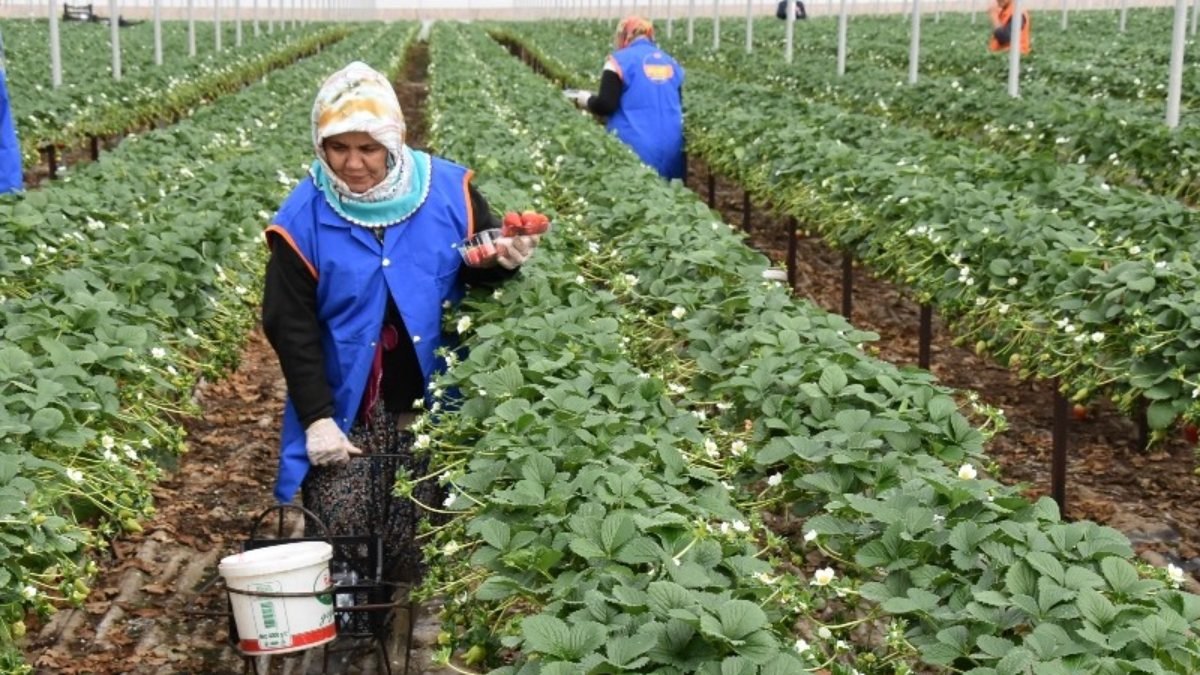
(641, 93)
(362, 264)
(11, 177)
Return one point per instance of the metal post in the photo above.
(52, 160)
(1014, 50)
(191, 18)
(270, 19)
(749, 26)
(55, 48)
(257, 26)
(217, 25)
(847, 284)
(94, 146)
(1058, 461)
(712, 188)
(1195, 11)
(926, 336)
(114, 31)
(671, 20)
(1143, 424)
(716, 25)
(1124, 14)
(791, 259)
(843, 19)
(789, 33)
(237, 13)
(158, 48)
(691, 21)
(745, 211)
(1175, 78)
(1064, 14)
(914, 46)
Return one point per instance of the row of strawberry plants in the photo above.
(637, 409)
(1125, 143)
(101, 107)
(1060, 277)
(147, 266)
(1130, 66)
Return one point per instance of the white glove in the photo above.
(581, 99)
(326, 444)
(512, 252)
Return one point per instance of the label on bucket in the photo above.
(270, 618)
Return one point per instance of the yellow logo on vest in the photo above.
(658, 72)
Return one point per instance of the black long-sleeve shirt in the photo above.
(289, 315)
(608, 98)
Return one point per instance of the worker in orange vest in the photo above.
(1001, 13)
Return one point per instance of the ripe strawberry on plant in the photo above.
(1191, 432)
(1079, 411)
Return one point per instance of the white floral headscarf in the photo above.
(360, 98)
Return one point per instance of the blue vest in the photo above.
(11, 177)
(650, 116)
(416, 265)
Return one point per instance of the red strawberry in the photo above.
(1191, 432)
(487, 252)
(511, 226)
(1079, 412)
(534, 223)
(473, 256)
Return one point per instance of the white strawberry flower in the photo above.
(679, 312)
(738, 448)
(774, 479)
(423, 441)
(823, 577)
(810, 536)
(1175, 574)
(75, 475)
(967, 472)
(29, 592)
(464, 325)
(741, 526)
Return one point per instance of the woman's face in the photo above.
(356, 158)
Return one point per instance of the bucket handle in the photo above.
(281, 508)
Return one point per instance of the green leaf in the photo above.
(626, 652)
(617, 529)
(1046, 564)
(1121, 576)
(46, 421)
(995, 647)
(833, 380)
(665, 596)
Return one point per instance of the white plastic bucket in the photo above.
(268, 625)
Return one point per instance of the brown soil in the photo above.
(1147, 495)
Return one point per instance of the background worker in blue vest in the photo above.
(363, 261)
(641, 94)
(11, 177)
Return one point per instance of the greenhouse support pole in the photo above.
(191, 18)
(55, 47)
(789, 33)
(158, 49)
(217, 25)
(237, 14)
(975, 9)
(925, 339)
(1124, 14)
(270, 19)
(1195, 11)
(1014, 50)
(749, 26)
(1064, 14)
(114, 24)
(670, 20)
(691, 21)
(914, 45)
(1175, 79)
(716, 25)
(254, 11)
(843, 19)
